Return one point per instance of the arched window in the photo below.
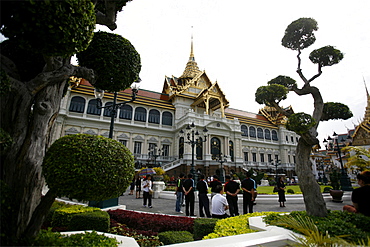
(181, 147)
(200, 149)
(77, 104)
(260, 133)
(215, 148)
(108, 110)
(140, 114)
(154, 116)
(252, 131)
(286, 138)
(167, 118)
(92, 108)
(244, 130)
(231, 150)
(125, 112)
(274, 135)
(267, 134)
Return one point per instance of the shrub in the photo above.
(143, 238)
(203, 227)
(155, 222)
(62, 216)
(48, 238)
(175, 237)
(354, 227)
(290, 191)
(96, 220)
(77, 166)
(234, 225)
(327, 189)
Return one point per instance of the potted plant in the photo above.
(335, 193)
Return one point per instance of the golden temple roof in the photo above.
(191, 69)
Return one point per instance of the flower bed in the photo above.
(154, 222)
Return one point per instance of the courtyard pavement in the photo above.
(165, 204)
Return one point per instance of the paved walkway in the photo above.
(166, 203)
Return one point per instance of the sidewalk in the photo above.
(165, 204)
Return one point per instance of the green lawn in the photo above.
(295, 188)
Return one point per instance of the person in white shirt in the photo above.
(219, 204)
(147, 188)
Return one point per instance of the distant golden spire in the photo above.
(367, 111)
(191, 69)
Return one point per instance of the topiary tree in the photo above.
(35, 70)
(88, 168)
(298, 36)
(114, 60)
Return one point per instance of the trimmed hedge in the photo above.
(154, 222)
(175, 237)
(96, 220)
(62, 216)
(203, 227)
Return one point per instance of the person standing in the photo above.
(202, 188)
(138, 187)
(147, 189)
(132, 186)
(361, 196)
(232, 189)
(188, 187)
(248, 193)
(179, 192)
(219, 204)
(213, 184)
(281, 191)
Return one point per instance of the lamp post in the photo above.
(345, 182)
(99, 94)
(222, 159)
(277, 163)
(155, 153)
(193, 139)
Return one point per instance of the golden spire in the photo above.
(367, 111)
(191, 69)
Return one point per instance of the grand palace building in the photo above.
(167, 129)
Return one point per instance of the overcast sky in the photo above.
(238, 43)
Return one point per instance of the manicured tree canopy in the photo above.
(114, 59)
(52, 28)
(87, 167)
(298, 36)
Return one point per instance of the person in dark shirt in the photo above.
(202, 188)
(248, 192)
(361, 196)
(215, 182)
(232, 189)
(188, 187)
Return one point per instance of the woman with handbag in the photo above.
(147, 190)
(281, 191)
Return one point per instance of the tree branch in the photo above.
(299, 70)
(318, 73)
(109, 17)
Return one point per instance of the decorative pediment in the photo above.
(152, 139)
(274, 116)
(138, 138)
(166, 141)
(123, 136)
(72, 130)
(90, 132)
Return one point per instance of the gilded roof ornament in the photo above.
(191, 69)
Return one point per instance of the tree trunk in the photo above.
(30, 130)
(28, 113)
(312, 196)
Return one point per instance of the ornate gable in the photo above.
(361, 136)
